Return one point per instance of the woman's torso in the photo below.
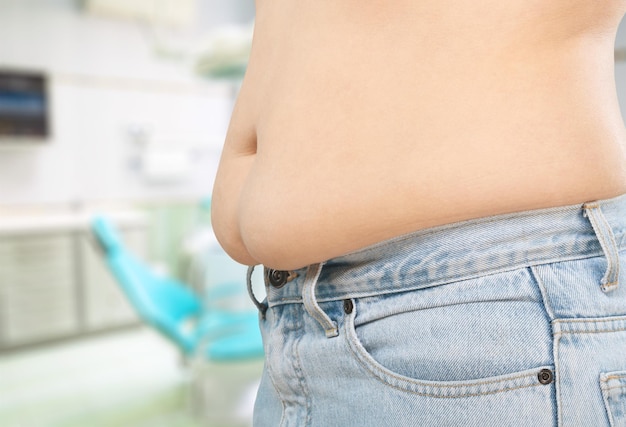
(360, 121)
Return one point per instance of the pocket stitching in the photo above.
(605, 377)
(440, 389)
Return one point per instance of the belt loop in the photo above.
(605, 236)
(261, 306)
(311, 305)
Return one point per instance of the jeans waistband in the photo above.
(467, 249)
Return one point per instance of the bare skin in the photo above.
(359, 121)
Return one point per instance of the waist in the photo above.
(325, 174)
(461, 250)
(297, 226)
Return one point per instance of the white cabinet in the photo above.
(38, 298)
(54, 283)
(104, 303)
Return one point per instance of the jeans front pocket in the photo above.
(613, 386)
(472, 337)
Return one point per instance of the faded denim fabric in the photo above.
(509, 320)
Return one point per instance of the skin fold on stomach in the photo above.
(341, 154)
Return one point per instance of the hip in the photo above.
(505, 320)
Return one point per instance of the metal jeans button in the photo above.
(276, 278)
(545, 376)
(348, 306)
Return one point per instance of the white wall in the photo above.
(107, 79)
(91, 155)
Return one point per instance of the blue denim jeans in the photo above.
(508, 320)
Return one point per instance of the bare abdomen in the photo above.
(353, 149)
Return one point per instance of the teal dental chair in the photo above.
(206, 327)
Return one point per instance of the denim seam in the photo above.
(277, 390)
(459, 396)
(602, 331)
(614, 375)
(563, 329)
(555, 340)
(617, 387)
(607, 408)
(604, 379)
(280, 397)
(607, 254)
(591, 319)
(544, 293)
(435, 230)
(557, 381)
(604, 234)
(413, 309)
(474, 275)
(438, 396)
(613, 264)
(299, 373)
(475, 221)
(311, 305)
(380, 374)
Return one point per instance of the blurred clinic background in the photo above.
(117, 306)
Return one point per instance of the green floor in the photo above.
(127, 379)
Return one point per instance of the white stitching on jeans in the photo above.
(380, 374)
(311, 305)
(605, 236)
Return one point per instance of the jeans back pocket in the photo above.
(613, 385)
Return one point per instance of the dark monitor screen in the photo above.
(23, 105)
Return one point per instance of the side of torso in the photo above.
(367, 120)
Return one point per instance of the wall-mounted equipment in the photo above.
(24, 107)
